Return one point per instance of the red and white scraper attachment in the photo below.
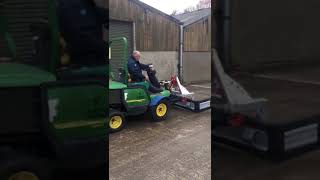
(178, 88)
(182, 89)
(183, 98)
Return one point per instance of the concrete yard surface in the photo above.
(288, 101)
(307, 73)
(178, 148)
(234, 164)
(293, 95)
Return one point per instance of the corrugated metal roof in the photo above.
(191, 17)
(144, 5)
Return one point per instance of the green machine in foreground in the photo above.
(128, 98)
(50, 118)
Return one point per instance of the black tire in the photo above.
(153, 111)
(112, 114)
(25, 164)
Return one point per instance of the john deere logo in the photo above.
(53, 104)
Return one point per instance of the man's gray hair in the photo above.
(136, 52)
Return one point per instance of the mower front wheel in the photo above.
(116, 121)
(160, 111)
(24, 167)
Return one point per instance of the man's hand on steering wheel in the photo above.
(146, 77)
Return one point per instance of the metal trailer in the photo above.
(283, 125)
(195, 102)
(194, 105)
(182, 98)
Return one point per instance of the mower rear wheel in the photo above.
(116, 121)
(160, 111)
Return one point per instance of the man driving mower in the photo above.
(135, 70)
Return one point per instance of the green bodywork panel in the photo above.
(144, 83)
(87, 71)
(78, 111)
(17, 75)
(75, 111)
(164, 93)
(116, 85)
(137, 100)
(136, 97)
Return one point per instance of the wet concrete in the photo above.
(200, 91)
(303, 73)
(288, 100)
(232, 164)
(178, 148)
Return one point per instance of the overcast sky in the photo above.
(168, 6)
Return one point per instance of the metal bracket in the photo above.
(237, 98)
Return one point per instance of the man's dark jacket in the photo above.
(135, 69)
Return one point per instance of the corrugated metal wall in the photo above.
(20, 15)
(122, 29)
(273, 31)
(154, 31)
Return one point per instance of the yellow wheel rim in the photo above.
(161, 110)
(23, 175)
(115, 122)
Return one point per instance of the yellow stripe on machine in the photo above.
(136, 100)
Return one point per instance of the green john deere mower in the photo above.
(49, 118)
(128, 98)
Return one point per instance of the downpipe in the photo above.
(223, 33)
(180, 66)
